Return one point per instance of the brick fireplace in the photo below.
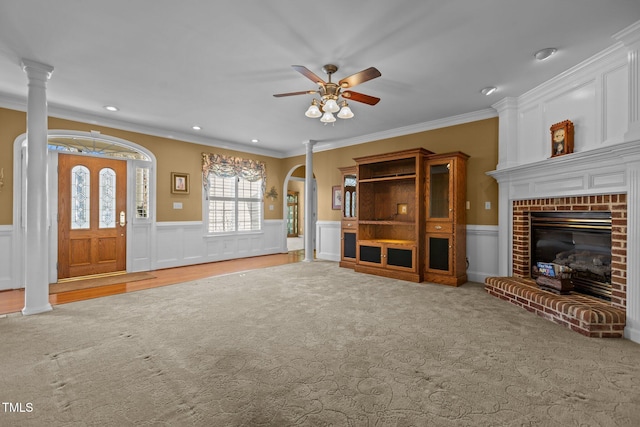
(599, 179)
(614, 203)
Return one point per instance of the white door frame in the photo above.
(140, 230)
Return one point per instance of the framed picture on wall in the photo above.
(179, 183)
(336, 194)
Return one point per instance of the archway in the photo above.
(295, 181)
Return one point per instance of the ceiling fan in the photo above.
(332, 96)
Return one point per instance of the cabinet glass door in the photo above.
(439, 180)
(349, 197)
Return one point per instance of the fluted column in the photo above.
(36, 255)
(309, 220)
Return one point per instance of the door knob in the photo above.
(123, 219)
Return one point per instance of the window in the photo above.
(142, 192)
(80, 198)
(107, 198)
(235, 204)
(234, 189)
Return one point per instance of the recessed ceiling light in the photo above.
(111, 108)
(196, 127)
(254, 140)
(543, 54)
(488, 90)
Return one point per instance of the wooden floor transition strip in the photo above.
(56, 288)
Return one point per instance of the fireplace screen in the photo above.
(579, 240)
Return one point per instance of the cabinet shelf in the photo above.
(388, 178)
(385, 222)
(391, 210)
(389, 241)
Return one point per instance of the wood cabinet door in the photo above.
(92, 232)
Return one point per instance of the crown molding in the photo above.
(487, 113)
(19, 103)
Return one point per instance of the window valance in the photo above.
(229, 166)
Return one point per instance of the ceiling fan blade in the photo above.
(304, 92)
(361, 77)
(360, 97)
(308, 74)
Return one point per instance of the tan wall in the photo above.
(12, 124)
(478, 139)
(171, 156)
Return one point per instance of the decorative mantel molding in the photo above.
(606, 170)
(588, 172)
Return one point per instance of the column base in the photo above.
(27, 311)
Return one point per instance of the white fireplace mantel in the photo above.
(607, 170)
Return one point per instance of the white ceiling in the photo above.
(170, 64)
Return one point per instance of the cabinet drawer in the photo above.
(439, 227)
(350, 223)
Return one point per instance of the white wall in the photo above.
(601, 97)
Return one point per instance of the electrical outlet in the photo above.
(468, 205)
(487, 205)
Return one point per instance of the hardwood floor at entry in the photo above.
(12, 301)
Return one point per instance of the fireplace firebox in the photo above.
(579, 240)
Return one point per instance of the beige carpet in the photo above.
(74, 285)
(311, 344)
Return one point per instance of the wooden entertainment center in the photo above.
(406, 217)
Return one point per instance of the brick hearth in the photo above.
(586, 315)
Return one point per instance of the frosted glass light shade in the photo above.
(328, 118)
(345, 113)
(313, 112)
(331, 106)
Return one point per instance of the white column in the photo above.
(507, 110)
(632, 329)
(309, 223)
(36, 255)
(630, 36)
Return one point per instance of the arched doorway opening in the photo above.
(294, 183)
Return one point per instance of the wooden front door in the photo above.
(92, 232)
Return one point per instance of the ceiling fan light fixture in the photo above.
(345, 112)
(313, 112)
(331, 106)
(328, 117)
(331, 99)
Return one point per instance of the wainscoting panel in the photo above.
(185, 243)
(482, 248)
(328, 240)
(140, 247)
(482, 252)
(7, 259)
